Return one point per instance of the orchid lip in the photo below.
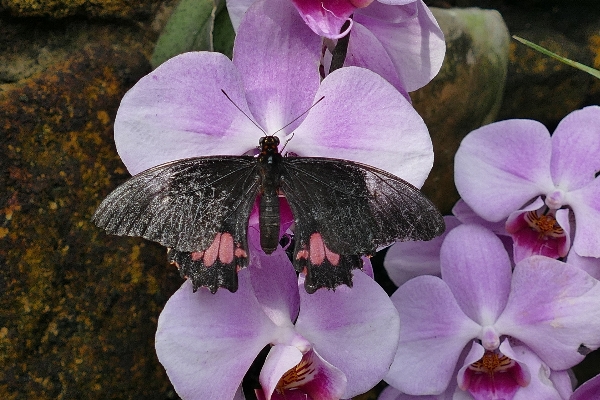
(494, 374)
(298, 375)
(492, 362)
(545, 224)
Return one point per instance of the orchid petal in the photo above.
(281, 358)
(415, 45)
(475, 353)
(406, 260)
(553, 309)
(496, 180)
(369, 114)
(278, 87)
(563, 220)
(325, 17)
(207, 342)
(382, 12)
(397, 2)
(466, 215)
(477, 269)
(275, 284)
(328, 383)
(540, 385)
(588, 390)
(391, 393)
(518, 354)
(178, 111)
(591, 265)
(585, 203)
(575, 149)
(562, 383)
(365, 50)
(288, 395)
(433, 332)
(342, 325)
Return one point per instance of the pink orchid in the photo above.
(547, 306)
(514, 169)
(400, 40)
(179, 110)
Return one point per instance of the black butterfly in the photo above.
(199, 208)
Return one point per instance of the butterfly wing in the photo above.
(198, 207)
(344, 210)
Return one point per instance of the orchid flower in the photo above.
(514, 169)
(179, 110)
(480, 304)
(398, 39)
(327, 345)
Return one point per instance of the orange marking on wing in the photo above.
(302, 254)
(226, 248)
(317, 249)
(239, 252)
(334, 258)
(197, 255)
(211, 254)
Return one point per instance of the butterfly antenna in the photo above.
(299, 116)
(287, 141)
(247, 116)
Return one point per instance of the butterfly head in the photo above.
(269, 145)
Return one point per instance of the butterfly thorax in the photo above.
(270, 175)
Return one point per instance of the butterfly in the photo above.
(199, 208)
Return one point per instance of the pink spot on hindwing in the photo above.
(222, 248)
(211, 254)
(226, 248)
(317, 252)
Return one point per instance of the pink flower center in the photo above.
(545, 224)
(297, 376)
(494, 376)
(491, 363)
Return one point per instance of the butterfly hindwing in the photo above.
(198, 207)
(344, 210)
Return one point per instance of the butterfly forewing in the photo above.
(345, 209)
(191, 206)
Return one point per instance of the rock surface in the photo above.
(79, 308)
(466, 94)
(93, 8)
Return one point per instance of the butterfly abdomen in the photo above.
(268, 212)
